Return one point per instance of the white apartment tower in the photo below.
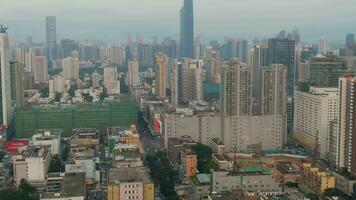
(5, 77)
(133, 77)
(313, 113)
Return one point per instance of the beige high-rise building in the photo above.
(161, 73)
(192, 81)
(40, 68)
(213, 67)
(17, 90)
(174, 85)
(70, 67)
(115, 55)
(111, 82)
(274, 90)
(304, 71)
(133, 77)
(235, 93)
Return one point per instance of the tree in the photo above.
(24, 192)
(57, 97)
(87, 97)
(44, 92)
(72, 89)
(55, 165)
(205, 162)
(163, 174)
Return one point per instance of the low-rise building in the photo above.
(217, 146)
(176, 146)
(345, 184)
(81, 164)
(314, 180)
(200, 186)
(189, 164)
(224, 162)
(85, 137)
(72, 187)
(130, 183)
(251, 179)
(50, 138)
(32, 165)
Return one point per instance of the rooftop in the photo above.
(122, 131)
(85, 133)
(73, 186)
(126, 175)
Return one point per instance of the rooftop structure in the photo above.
(73, 188)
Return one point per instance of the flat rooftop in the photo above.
(85, 133)
(127, 175)
(73, 185)
(222, 158)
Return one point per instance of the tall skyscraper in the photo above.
(274, 90)
(40, 68)
(347, 124)
(67, 47)
(235, 95)
(259, 60)
(161, 73)
(133, 77)
(282, 51)
(187, 29)
(350, 39)
(145, 55)
(51, 38)
(17, 90)
(5, 106)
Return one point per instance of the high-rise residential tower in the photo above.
(133, 77)
(274, 90)
(111, 82)
(192, 81)
(258, 60)
(161, 73)
(17, 90)
(282, 51)
(5, 106)
(187, 29)
(40, 68)
(347, 125)
(51, 38)
(235, 96)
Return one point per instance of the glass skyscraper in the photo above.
(51, 38)
(187, 29)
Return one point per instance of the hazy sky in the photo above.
(214, 19)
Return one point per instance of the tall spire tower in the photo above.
(187, 29)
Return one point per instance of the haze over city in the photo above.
(177, 100)
(111, 20)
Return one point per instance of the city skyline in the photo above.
(137, 16)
